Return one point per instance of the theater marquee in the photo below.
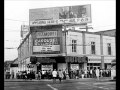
(47, 42)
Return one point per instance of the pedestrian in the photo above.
(25, 75)
(54, 74)
(28, 74)
(85, 72)
(50, 74)
(101, 71)
(113, 73)
(88, 73)
(36, 75)
(43, 74)
(97, 73)
(39, 75)
(60, 75)
(94, 73)
(82, 74)
(91, 73)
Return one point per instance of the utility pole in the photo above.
(66, 50)
(87, 28)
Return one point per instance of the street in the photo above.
(79, 84)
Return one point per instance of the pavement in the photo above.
(69, 84)
(80, 79)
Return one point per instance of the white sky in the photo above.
(103, 14)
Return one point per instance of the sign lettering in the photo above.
(60, 21)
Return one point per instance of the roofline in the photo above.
(105, 30)
(24, 40)
(58, 6)
(97, 33)
(91, 33)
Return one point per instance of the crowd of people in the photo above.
(84, 73)
(63, 74)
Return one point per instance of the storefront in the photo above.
(51, 63)
(76, 63)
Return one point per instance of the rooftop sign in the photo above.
(60, 15)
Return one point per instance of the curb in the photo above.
(33, 80)
(25, 80)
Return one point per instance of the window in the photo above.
(74, 45)
(109, 48)
(92, 47)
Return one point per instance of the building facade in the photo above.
(56, 42)
(51, 47)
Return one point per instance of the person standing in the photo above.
(28, 74)
(101, 71)
(60, 74)
(97, 73)
(39, 75)
(85, 72)
(54, 74)
(91, 73)
(113, 73)
(36, 75)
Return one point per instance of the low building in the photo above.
(14, 68)
(108, 32)
(7, 66)
(11, 67)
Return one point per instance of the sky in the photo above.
(16, 13)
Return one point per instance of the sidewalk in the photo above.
(23, 80)
(80, 79)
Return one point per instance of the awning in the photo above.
(45, 60)
(71, 59)
(113, 61)
(14, 65)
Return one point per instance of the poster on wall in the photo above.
(74, 66)
(60, 15)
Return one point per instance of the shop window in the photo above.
(92, 47)
(109, 48)
(74, 45)
(88, 64)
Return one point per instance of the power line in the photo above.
(19, 31)
(104, 26)
(16, 20)
(11, 41)
(10, 48)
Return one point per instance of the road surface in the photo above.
(65, 85)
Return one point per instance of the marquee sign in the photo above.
(46, 34)
(46, 49)
(46, 41)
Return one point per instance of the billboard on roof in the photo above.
(60, 15)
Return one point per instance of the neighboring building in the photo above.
(84, 50)
(7, 65)
(14, 67)
(11, 67)
(108, 32)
